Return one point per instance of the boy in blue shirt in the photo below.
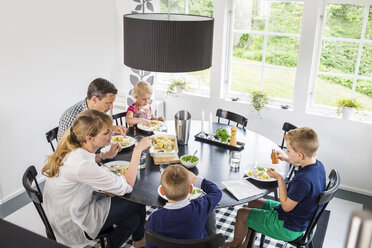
(181, 218)
(288, 219)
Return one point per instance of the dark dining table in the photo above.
(213, 164)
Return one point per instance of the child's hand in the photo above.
(272, 173)
(161, 118)
(192, 177)
(145, 122)
(282, 156)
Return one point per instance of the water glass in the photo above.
(234, 160)
(162, 167)
(142, 162)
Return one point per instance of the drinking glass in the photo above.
(234, 160)
(162, 167)
(142, 162)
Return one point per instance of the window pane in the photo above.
(366, 61)
(201, 7)
(175, 6)
(364, 93)
(344, 20)
(242, 16)
(338, 57)
(285, 17)
(245, 78)
(328, 89)
(279, 83)
(247, 47)
(200, 77)
(282, 51)
(369, 25)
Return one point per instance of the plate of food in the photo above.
(124, 141)
(164, 146)
(259, 173)
(154, 126)
(117, 167)
(196, 192)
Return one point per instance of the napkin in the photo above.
(242, 188)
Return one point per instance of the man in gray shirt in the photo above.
(100, 96)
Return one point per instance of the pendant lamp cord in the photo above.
(168, 10)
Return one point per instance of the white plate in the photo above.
(265, 167)
(160, 125)
(161, 153)
(196, 192)
(131, 140)
(115, 166)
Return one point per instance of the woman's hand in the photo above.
(161, 118)
(144, 144)
(119, 130)
(114, 149)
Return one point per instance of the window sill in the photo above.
(363, 117)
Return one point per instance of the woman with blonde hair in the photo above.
(74, 208)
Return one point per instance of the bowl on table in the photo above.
(185, 160)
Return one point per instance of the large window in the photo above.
(345, 63)
(200, 80)
(265, 41)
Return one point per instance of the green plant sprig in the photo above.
(175, 82)
(222, 134)
(343, 102)
(259, 99)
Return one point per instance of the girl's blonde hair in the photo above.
(87, 123)
(141, 88)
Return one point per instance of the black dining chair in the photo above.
(52, 136)
(230, 116)
(29, 177)
(286, 128)
(118, 118)
(159, 241)
(325, 197)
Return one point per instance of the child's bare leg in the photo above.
(240, 231)
(245, 243)
(256, 203)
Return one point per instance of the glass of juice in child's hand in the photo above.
(274, 157)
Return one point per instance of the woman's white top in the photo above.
(70, 202)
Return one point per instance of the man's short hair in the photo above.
(176, 183)
(99, 87)
(304, 140)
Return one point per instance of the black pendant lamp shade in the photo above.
(182, 43)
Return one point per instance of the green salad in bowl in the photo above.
(189, 161)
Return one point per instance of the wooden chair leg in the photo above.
(251, 238)
(276, 195)
(102, 241)
(262, 240)
(109, 244)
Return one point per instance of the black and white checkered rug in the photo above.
(225, 218)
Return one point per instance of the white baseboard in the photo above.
(20, 191)
(356, 190)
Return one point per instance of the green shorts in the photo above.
(266, 221)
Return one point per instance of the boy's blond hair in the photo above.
(176, 183)
(304, 140)
(141, 88)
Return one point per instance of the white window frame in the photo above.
(355, 77)
(263, 65)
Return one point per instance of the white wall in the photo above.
(50, 50)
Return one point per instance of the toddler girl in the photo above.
(140, 111)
